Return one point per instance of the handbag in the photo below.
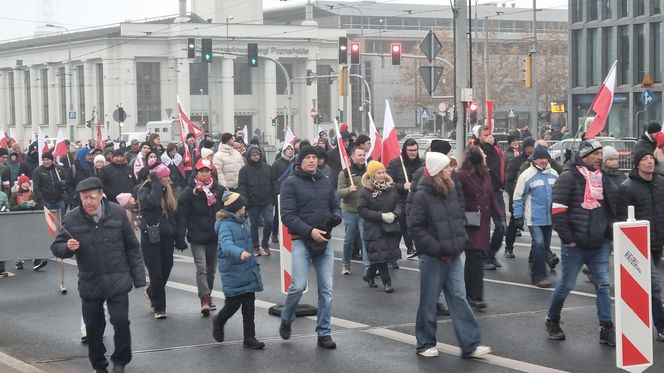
(390, 229)
(473, 218)
(154, 236)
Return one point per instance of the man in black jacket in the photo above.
(310, 209)
(255, 185)
(411, 163)
(117, 177)
(645, 191)
(511, 176)
(647, 140)
(334, 160)
(109, 262)
(582, 217)
(281, 169)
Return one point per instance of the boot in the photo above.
(218, 329)
(253, 343)
(369, 278)
(205, 306)
(388, 287)
(509, 253)
(607, 335)
(325, 341)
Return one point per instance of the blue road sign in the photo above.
(647, 97)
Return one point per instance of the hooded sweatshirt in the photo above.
(255, 180)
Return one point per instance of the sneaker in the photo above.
(543, 283)
(39, 264)
(389, 288)
(326, 342)
(509, 253)
(495, 262)
(253, 344)
(266, 250)
(413, 255)
(4, 274)
(345, 271)
(205, 306)
(429, 352)
(410, 251)
(553, 260)
(84, 337)
(477, 304)
(479, 352)
(659, 337)
(370, 280)
(257, 251)
(213, 307)
(104, 370)
(284, 330)
(160, 315)
(489, 266)
(217, 329)
(393, 265)
(607, 335)
(518, 233)
(18, 264)
(554, 330)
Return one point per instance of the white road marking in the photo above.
(18, 364)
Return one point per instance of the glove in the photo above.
(181, 245)
(387, 217)
(332, 221)
(518, 223)
(30, 204)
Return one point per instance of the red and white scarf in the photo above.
(594, 191)
(205, 186)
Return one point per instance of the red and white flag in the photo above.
(345, 163)
(51, 221)
(245, 135)
(602, 103)
(42, 146)
(60, 146)
(289, 137)
(557, 208)
(101, 142)
(12, 137)
(390, 140)
(376, 149)
(4, 142)
(191, 127)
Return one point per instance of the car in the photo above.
(623, 146)
(424, 142)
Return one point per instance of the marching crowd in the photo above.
(212, 200)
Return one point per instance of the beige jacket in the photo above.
(228, 163)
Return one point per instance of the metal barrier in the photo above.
(24, 235)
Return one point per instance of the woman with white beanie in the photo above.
(436, 220)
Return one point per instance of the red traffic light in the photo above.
(355, 52)
(355, 47)
(472, 106)
(395, 48)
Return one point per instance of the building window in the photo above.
(655, 7)
(577, 10)
(593, 10)
(622, 9)
(148, 92)
(606, 9)
(281, 79)
(80, 77)
(577, 44)
(656, 52)
(639, 8)
(639, 53)
(623, 55)
(62, 86)
(12, 99)
(28, 97)
(241, 78)
(198, 78)
(44, 92)
(608, 50)
(594, 63)
(100, 92)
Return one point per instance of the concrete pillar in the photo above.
(227, 96)
(311, 95)
(268, 99)
(4, 99)
(127, 93)
(23, 128)
(35, 101)
(54, 101)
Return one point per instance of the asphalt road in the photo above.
(39, 327)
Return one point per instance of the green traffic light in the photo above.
(253, 61)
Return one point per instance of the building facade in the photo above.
(631, 32)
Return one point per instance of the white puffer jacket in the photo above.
(228, 163)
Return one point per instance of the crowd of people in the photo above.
(212, 199)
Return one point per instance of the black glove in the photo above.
(518, 223)
(332, 221)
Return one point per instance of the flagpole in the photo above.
(403, 167)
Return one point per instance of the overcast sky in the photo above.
(22, 18)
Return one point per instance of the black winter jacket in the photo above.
(436, 222)
(195, 217)
(589, 229)
(307, 201)
(255, 182)
(395, 170)
(49, 184)
(334, 161)
(109, 259)
(381, 248)
(149, 199)
(281, 169)
(31, 163)
(644, 143)
(496, 164)
(117, 179)
(647, 197)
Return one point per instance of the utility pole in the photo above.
(461, 57)
(534, 112)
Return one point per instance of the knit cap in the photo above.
(608, 152)
(373, 167)
(232, 201)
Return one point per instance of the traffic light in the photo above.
(252, 54)
(343, 50)
(206, 49)
(343, 81)
(472, 112)
(395, 48)
(274, 122)
(355, 52)
(528, 62)
(191, 48)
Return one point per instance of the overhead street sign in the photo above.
(430, 46)
(647, 97)
(431, 76)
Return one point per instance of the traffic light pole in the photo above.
(534, 112)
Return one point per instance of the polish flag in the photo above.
(191, 127)
(289, 137)
(345, 163)
(12, 137)
(602, 103)
(558, 208)
(376, 142)
(60, 146)
(186, 164)
(51, 221)
(42, 146)
(101, 143)
(245, 135)
(3, 139)
(390, 140)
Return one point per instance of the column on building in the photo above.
(127, 93)
(227, 115)
(268, 101)
(22, 127)
(73, 101)
(36, 101)
(211, 105)
(91, 95)
(311, 94)
(54, 99)
(4, 100)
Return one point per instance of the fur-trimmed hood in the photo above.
(369, 185)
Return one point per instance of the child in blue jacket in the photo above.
(240, 272)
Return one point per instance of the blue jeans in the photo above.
(324, 266)
(256, 213)
(436, 275)
(354, 226)
(498, 230)
(597, 260)
(540, 247)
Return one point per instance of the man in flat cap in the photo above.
(109, 263)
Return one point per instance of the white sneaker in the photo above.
(480, 351)
(429, 352)
(345, 271)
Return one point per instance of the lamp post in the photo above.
(71, 96)
(229, 18)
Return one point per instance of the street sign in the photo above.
(647, 97)
(511, 113)
(431, 76)
(119, 115)
(442, 107)
(71, 118)
(425, 114)
(430, 46)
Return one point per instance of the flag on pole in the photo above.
(245, 135)
(101, 143)
(602, 103)
(390, 140)
(345, 163)
(191, 127)
(4, 143)
(319, 129)
(289, 137)
(51, 221)
(489, 114)
(376, 142)
(42, 147)
(12, 137)
(60, 146)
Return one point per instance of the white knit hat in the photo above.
(436, 162)
(205, 152)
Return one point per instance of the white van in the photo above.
(127, 137)
(168, 130)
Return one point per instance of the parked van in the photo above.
(127, 137)
(168, 130)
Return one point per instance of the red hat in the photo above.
(23, 179)
(343, 127)
(203, 163)
(660, 139)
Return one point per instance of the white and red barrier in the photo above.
(634, 345)
(285, 253)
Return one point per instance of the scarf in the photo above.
(167, 160)
(594, 192)
(379, 187)
(204, 186)
(23, 196)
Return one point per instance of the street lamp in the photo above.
(229, 18)
(71, 96)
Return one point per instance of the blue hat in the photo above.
(540, 152)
